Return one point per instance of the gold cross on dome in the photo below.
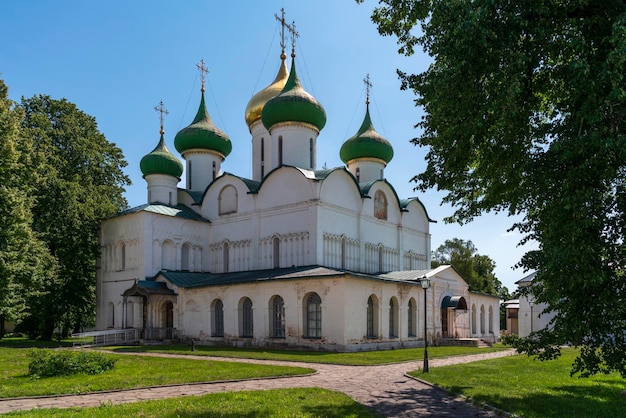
(162, 112)
(283, 23)
(203, 71)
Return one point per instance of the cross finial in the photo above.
(203, 72)
(368, 86)
(162, 112)
(283, 23)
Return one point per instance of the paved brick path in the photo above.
(385, 388)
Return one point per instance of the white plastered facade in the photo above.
(295, 257)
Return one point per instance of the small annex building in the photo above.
(294, 256)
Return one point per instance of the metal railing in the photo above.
(107, 337)
(123, 336)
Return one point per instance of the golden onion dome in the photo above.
(256, 103)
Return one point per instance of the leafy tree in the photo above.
(476, 269)
(79, 181)
(24, 261)
(525, 112)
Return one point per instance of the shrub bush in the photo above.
(47, 363)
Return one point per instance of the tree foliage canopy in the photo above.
(24, 260)
(476, 269)
(59, 176)
(525, 113)
(79, 181)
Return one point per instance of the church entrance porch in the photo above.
(156, 303)
(454, 318)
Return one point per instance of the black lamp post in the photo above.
(425, 282)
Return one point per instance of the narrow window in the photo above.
(278, 317)
(370, 318)
(482, 319)
(314, 316)
(262, 150)
(170, 199)
(358, 174)
(411, 318)
(189, 175)
(473, 319)
(123, 257)
(184, 257)
(218, 318)
(247, 329)
(276, 252)
(343, 253)
(226, 257)
(311, 153)
(214, 170)
(280, 151)
(393, 318)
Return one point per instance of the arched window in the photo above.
(226, 257)
(218, 318)
(473, 319)
(314, 316)
(277, 321)
(280, 151)
(372, 317)
(185, 253)
(411, 319)
(491, 320)
(167, 257)
(227, 200)
(393, 318)
(482, 319)
(276, 252)
(247, 329)
(122, 256)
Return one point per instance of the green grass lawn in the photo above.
(307, 402)
(129, 372)
(365, 358)
(531, 388)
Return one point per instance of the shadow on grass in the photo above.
(603, 400)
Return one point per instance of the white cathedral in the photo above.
(295, 256)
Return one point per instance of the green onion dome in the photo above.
(256, 104)
(367, 143)
(161, 161)
(202, 134)
(293, 104)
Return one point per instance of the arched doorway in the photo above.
(168, 320)
(453, 310)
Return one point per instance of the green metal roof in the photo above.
(202, 134)
(185, 279)
(293, 104)
(161, 161)
(366, 143)
(178, 211)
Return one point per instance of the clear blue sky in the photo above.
(117, 59)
